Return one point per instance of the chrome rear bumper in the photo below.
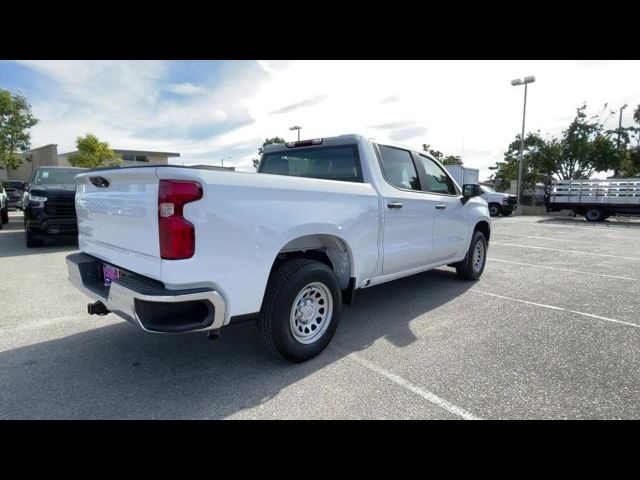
(145, 302)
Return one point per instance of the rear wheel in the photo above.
(494, 209)
(594, 214)
(5, 215)
(472, 266)
(301, 309)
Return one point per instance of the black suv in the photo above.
(49, 204)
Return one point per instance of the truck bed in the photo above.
(623, 191)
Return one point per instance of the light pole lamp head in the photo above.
(530, 79)
(295, 127)
(516, 82)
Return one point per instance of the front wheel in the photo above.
(5, 215)
(301, 309)
(472, 266)
(494, 209)
(506, 213)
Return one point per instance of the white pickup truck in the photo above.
(499, 203)
(177, 249)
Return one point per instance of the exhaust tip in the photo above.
(97, 308)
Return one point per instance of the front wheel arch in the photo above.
(494, 209)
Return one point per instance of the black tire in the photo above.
(494, 209)
(466, 268)
(291, 279)
(5, 215)
(31, 240)
(594, 214)
(506, 213)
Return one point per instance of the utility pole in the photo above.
(620, 127)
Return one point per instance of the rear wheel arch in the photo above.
(326, 248)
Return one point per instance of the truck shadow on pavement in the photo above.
(582, 222)
(118, 371)
(13, 243)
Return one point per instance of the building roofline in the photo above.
(145, 152)
(43, 146)
(132, 152)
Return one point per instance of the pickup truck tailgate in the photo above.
(118, 218)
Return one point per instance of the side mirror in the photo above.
(471, 190)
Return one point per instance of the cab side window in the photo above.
(398, 167)
(437, 179)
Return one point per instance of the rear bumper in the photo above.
(145, 302)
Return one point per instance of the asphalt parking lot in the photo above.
(551, 331)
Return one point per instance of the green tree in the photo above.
(538, 159)
(451, 160)
(584, 148)
(267, 141)
(441, 157)
(93, 153)
(15, 121)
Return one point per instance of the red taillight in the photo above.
(177, 235)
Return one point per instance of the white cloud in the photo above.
(184, 88)
(455, 106)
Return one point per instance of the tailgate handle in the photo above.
(100, 182)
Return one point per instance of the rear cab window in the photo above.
(324, 162)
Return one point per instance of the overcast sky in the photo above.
(207, 110)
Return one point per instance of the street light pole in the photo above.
(524, 115)
(515, 83)
(298, 128)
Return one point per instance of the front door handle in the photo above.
(441, 207)
(394, 205)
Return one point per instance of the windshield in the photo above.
(58, 176)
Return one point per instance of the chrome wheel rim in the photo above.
(311, 313)
(493, 210)
(478, 256)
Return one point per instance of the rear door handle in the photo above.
(441, 207)
(394, 205)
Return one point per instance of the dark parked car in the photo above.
(14, 190)
(49, 204)
(4, 209)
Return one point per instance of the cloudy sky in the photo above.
(209, 110)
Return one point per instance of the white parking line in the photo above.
(566, 251)
(612, 230)
(556, 239)
(563, 269)
(552, 307)
(427, 395)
